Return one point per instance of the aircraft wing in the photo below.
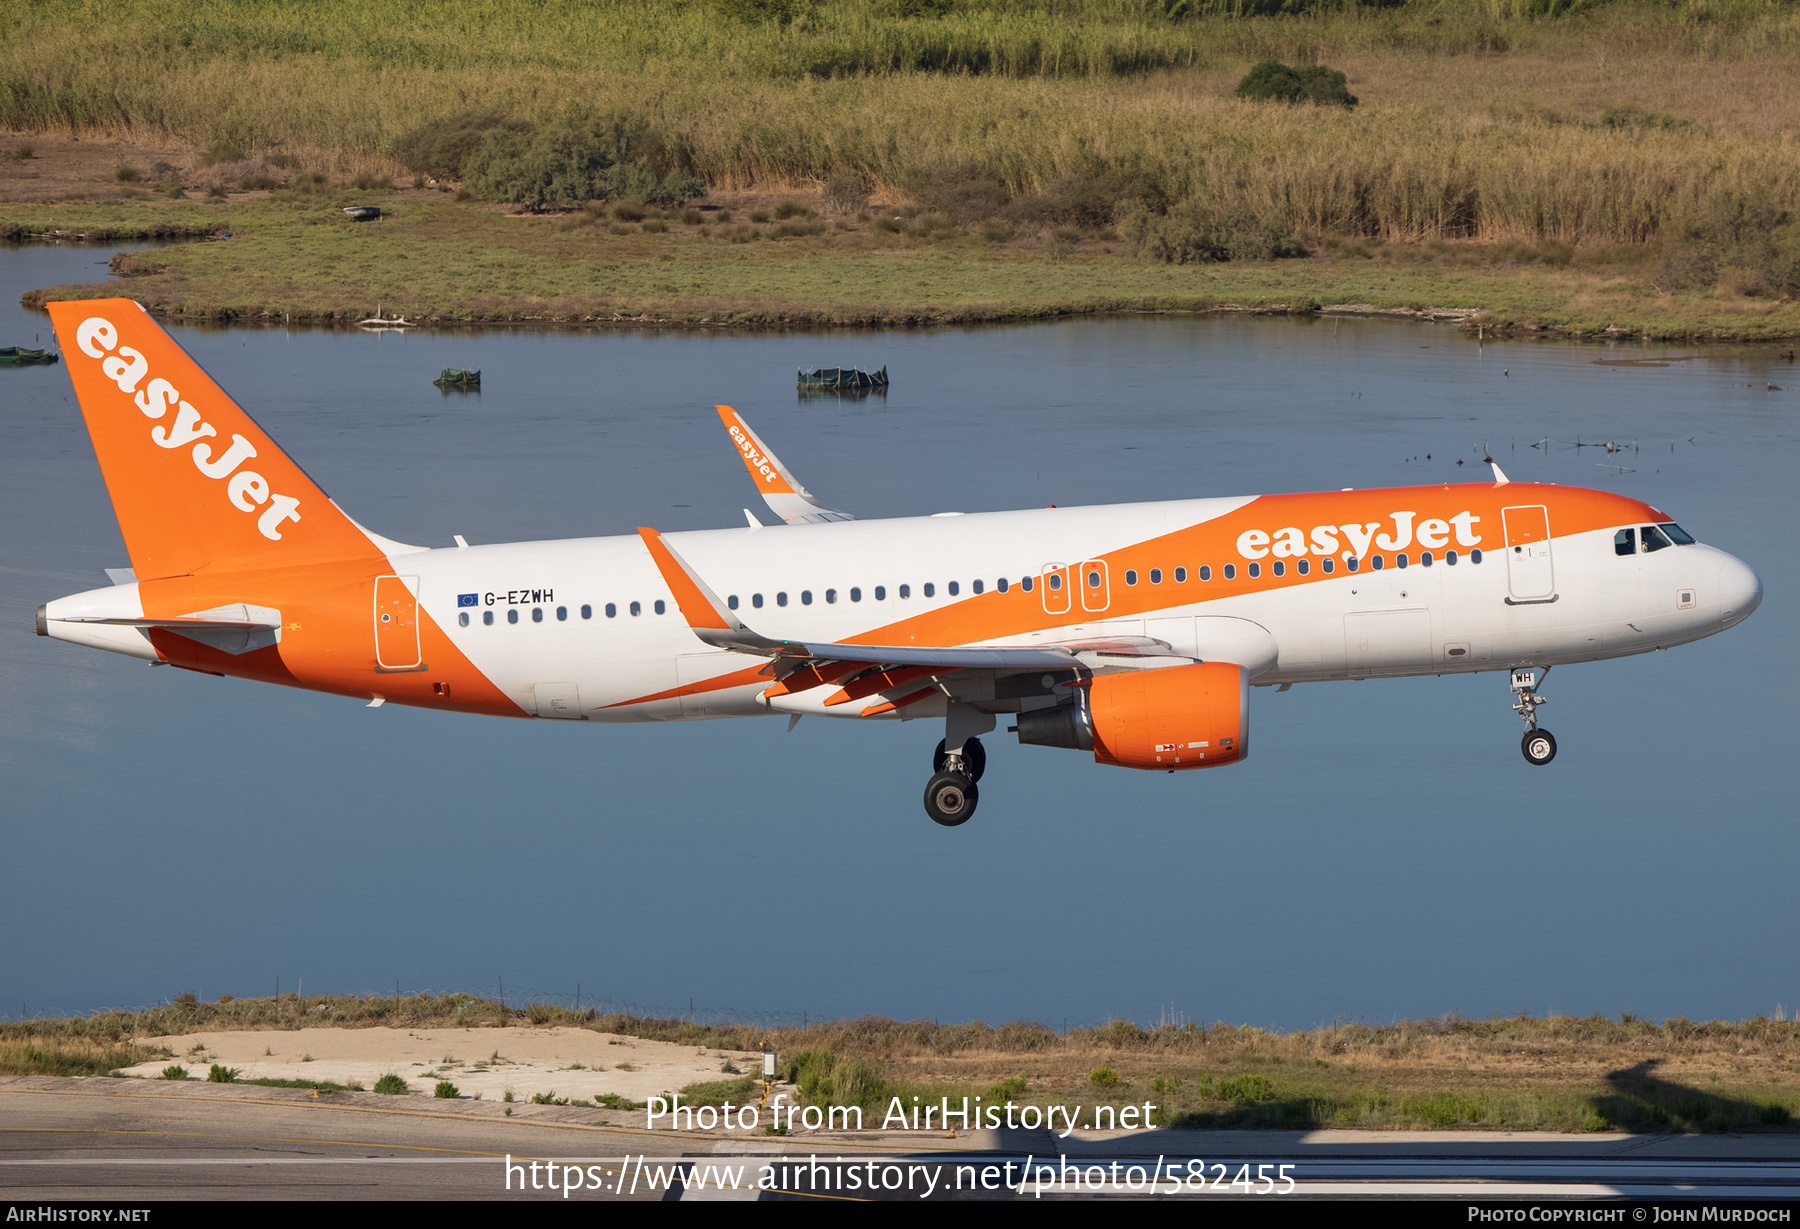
(783, 493)
(865, 669)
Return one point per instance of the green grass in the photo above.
(321, 1085)
(26, 1054)
(299, 261)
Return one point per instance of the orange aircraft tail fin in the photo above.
(194, 482)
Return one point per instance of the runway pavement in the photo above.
(130, 1140)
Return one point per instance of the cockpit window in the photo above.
(1682, 537)
(1625, 542)
(1654, 539)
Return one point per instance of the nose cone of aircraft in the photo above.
(1740, 591)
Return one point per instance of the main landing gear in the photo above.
(1539, 746)
(956, 765)
(951, 794)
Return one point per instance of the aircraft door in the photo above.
(1529, 572)
(1053, 581)
(1095, 590)
(396, 623)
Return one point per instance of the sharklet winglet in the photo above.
(707, 616)
(783, 492)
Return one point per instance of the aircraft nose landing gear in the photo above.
(1539, 746)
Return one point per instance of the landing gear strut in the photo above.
(957, 764)
(1539, 746)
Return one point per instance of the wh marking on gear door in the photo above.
(1528, 569)
(396, 623)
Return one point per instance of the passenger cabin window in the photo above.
(562, 614)
(781, 599)
(930, 589)
(1654, 539)
(1400, 560)
(881, 593)
(905, 590)
(1303, 567)
(512, 616)
(756, 600)
(1231, 571)
(1680, 536)
(462, 619)
(636, 609)
(856, 595)
(1205, 573)
(1156, 576)
(1002, 584)
(537, 614)
(1375, 563)
(1181, 576)
(954, 590)
(731, 602)
(1450, 557)
(487, 618)
(1280, 568)
(1025, 583)
(1094, 578)
(806, 597)
(1625, 542)
(1255, 570)
(612, 611)
(831, 597)
(1353, 563)
(974, 587)
(1425, 559)
(659, 606)
(1326, 566)
(587, 612)
(1475, 555)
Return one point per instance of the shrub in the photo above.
(174, 1073)
(718, 1092)
(391, 1085)
(1103, 1077)
(222, 150)
(655, 226)
(222, 1075)
(1196, 234)
(446, 1090)
(259, 183)
(366, 182)
(613, 1101)
(691, 217)
(548, 1098)
(128, 174)
(1273, 81)
(286, 162)
(759, 215)
(846, 193)
(440, 148)
(574, 161)
(539, 1013)
(628, 211)
(791, 209)
(162, 170)
(24, 153)
(1246, 1089)
(1751, 236)
(963, 192)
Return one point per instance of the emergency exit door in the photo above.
(396, 623)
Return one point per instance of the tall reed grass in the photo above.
(1481, 118)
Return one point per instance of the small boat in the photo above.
(19, 356)
(843, 377)
(456, 377)
(363, 213)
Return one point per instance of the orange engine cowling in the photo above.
(1194, 716)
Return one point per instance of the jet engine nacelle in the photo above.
(1194, 716)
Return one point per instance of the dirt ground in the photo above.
(575, 1063)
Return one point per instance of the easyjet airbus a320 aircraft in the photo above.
(1132, 632)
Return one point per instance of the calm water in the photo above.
(1385, 853)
